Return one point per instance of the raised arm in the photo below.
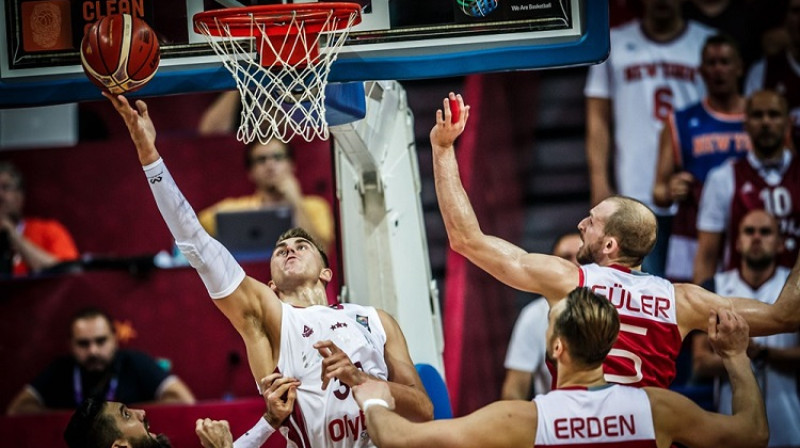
(550, 276)
(501, 424)
(678, 419)
(251, 306)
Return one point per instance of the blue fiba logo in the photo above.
(477, 8)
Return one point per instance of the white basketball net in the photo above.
(282, 99)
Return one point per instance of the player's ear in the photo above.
(610, 244)
(558, 347)
(120, 443)
(272, 286)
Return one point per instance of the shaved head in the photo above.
(634, 226)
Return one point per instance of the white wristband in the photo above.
(256, 436)
(374, 402)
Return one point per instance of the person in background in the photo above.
(776, 358)
(651, 70)
(271, 169)
(27, 245)
(768, 177)
(695, 140)
(525, 359)
(97, 368)
(781, 72)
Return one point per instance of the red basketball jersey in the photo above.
(649, 339)
(782, 200)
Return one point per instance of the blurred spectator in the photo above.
(221, 117)
(525, 359)
(271, 168)
(694, 141)
(781, 72)
(768, 177)
(98, 369)
(745, 21)
(776, 358)
(27, 244)
(652, 68)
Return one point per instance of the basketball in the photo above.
(120, 53)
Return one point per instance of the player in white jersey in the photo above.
(616, 236)
(586, 411)
(776, 358)
(652, 68)
(299, 272)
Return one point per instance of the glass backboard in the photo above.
(400, 40)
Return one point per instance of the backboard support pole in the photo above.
(385, 252)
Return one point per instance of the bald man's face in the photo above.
(759, 241)
(766, 123)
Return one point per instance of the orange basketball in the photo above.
(120, 53)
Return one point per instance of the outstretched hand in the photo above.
(140, 126)
(445, 132)
(336, 364)
(279, 394)
(728, 333)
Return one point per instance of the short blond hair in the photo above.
(634, 226)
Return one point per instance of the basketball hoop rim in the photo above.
(315, 17)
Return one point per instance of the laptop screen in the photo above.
(251, 234)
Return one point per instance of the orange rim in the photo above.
(314, 16)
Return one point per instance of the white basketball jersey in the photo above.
(614, 415)
(779, 388)
(646, 81)
(649, 340)
(331, 417)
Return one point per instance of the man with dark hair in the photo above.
(287, 324)
(106, 424)
(27, 244)
(97, 368)
(617, 234)
(695, 140)
(270, 167)
(585, 410)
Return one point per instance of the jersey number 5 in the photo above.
(637, 361)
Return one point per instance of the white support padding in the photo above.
(385, 250)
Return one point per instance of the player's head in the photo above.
(618, 229)
(567, 246)
(759, 240)
(585, 326)
(107, 424)
(766, 121)
(267, 164)
(93, 339)
(12, 191)
(721, 65)
(298, 259)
